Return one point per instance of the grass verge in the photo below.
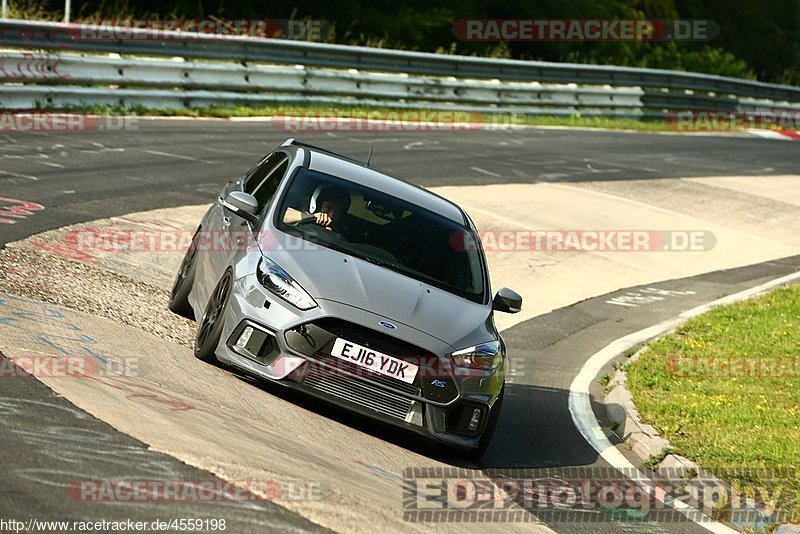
(724, 389)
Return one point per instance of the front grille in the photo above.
(368, 375)
(357, 391)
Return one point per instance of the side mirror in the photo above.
(242, 204)
(507, 300)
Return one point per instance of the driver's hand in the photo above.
(323, 219)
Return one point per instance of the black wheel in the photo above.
(179, 298)
(486, 438)
(209, 329)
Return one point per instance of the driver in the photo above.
(327, 206)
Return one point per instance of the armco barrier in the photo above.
(59, 66)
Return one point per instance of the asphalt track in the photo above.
(85, 176)
(80, 176)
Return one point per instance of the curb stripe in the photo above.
(583, 417)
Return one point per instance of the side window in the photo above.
(263, 180)
(266, 189)
(257, 174)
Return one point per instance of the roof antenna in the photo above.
(369, 157)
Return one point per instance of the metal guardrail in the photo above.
(248, 70)
(58, 79)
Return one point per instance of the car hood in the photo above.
(327, 274)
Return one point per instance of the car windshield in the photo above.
(383, 230)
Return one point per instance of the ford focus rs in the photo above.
(326, 275)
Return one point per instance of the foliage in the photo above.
(756, 40)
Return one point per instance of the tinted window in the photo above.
(264, 178)
(257, 174)
(266, 189)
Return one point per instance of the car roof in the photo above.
(328, 162)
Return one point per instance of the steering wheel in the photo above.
(310, 226)
(307, 220)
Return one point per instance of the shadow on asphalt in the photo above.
(531, 434)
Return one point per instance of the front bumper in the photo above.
(292, 348)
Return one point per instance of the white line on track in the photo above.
(178, 156)
(429, 145)
(236, 152)
(580, 405)
(484, 171)
(621, 166)
(28, 176)
(409, 146)
(100, 148)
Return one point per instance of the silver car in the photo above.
(326, 275)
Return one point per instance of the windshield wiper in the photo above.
(374, 261)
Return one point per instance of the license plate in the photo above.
(374, 361)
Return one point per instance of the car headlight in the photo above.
(273, 277)
(485, 356)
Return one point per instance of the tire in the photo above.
(209, 329)
(475, 454)
(179, 297)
